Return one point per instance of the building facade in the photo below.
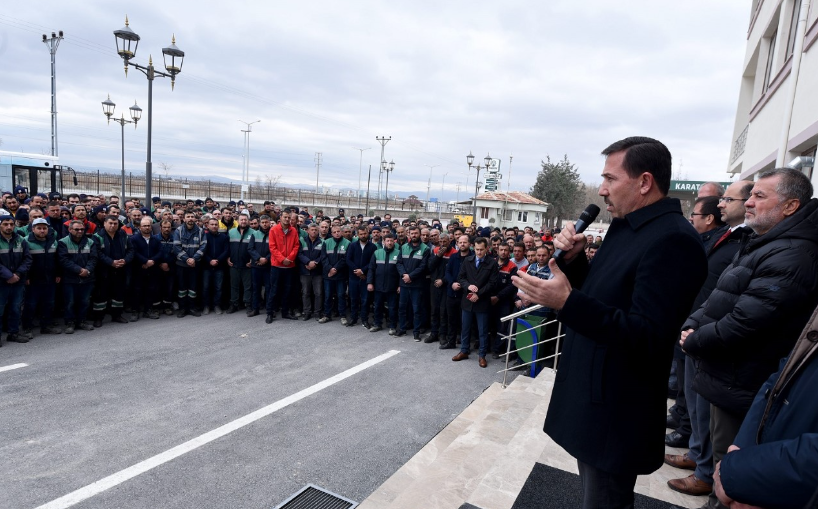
(515, 208)
(777, 113)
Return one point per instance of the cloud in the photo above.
(441, 79)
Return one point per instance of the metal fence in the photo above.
(181, 189)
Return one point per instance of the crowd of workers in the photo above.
(97, 257)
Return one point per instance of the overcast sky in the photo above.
(442, 78)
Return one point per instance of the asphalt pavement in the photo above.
(94, 404)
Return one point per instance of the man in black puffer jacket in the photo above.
(761, 302)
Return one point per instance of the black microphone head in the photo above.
(589, 214)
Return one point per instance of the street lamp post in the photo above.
(470, 161)
(245, 173)
(124, 37)
(388, 170)
(136, 113)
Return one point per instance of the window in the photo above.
(508, 215)
(768, 72)
(796, 8)
(484, 212)
(522, 216)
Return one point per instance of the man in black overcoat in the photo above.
(622, 314)
(477, 278)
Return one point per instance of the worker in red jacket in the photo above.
(284, 246)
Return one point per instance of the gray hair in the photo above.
(718, 186)
(793, 185)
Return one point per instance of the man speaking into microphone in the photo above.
(622, 316)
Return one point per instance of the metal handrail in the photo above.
(520, 313)
(510, 336)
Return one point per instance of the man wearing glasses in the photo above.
(694, 425)
(78, 258)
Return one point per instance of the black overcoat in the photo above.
(623, 315)
(483, 277)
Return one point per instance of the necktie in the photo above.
(478, 263)
(722, 238)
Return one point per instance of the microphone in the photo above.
(586, 218)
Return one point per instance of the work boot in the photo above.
(447, 345)
(85, 326)
(252, 312)
(195, 312)
(117, 319)
(13, 337)
(97, 324)
(27, 333)
(232, 309)
(50, 329)
(432, 338)
(181, 313)
(269, 319)
(218, 310)
(69, 329)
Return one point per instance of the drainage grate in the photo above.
(314, 497)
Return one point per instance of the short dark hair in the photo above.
(746, 190)
(481, 240)
(519, 244)
(644, 155)
(793, 185)
(710, 206)
(112, 218)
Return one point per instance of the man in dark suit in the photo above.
(478, 276)
(147, 250)
(622, 314)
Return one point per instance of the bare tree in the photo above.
(166, 168)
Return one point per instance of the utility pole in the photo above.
(360, 166)
(317, 172)
(429, 184)
(53, 43)
(439, 209)
(245, 172)
(457, 199)
(383, 140)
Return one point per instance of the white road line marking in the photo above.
(98, 487)
(13, 366)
